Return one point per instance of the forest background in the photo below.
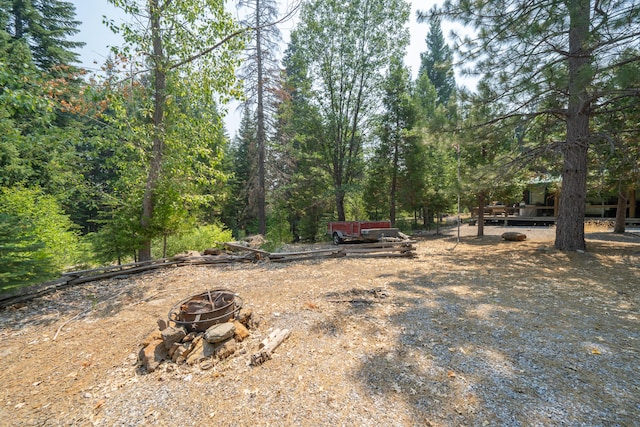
(133, 162)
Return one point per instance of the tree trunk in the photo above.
(394, 177)
(481, 203)
(340, 205)
(159, 74)
(621, 212)
(571, 209)
(260, 131)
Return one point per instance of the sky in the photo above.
(98, 38)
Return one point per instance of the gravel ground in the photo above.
(482, 332)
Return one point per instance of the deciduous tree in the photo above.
(346, 48)
(190, 48)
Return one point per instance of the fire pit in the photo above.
(199, 312)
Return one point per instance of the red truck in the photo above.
(342, 231)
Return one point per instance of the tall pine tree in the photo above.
(48, 27)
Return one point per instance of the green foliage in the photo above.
(279, 231)
(118, 235)
(47, 26)
(23, 260)
(43, 240)
(191, 72)
(239, 209)
(197, 238)
(346, 71)
(303, 187)
(437, 63)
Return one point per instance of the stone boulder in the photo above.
(512, 236)
(220, 332)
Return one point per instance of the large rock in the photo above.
(152, 355)
(172, 335)
(182, 354)
(153, 336)
(206, 351)
(220, 332)
(241, 331)
(514, 237)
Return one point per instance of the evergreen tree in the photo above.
(47, 26)
(437, 62)
(395, 129)
(303, 186)
(239, 212)
(551, 59)
(261, 75)
(22, 260)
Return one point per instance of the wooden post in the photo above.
(632, 203)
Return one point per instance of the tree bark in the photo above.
(159, 79)
(340, 205)
(481, 203)
(571, 208)
(260, 130)
(621, 212)
(394, 185)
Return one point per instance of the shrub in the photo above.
(37, 240)
(197, 239)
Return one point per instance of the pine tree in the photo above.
(261, 75)
(47, 25)
(551, 60)
(437, 62)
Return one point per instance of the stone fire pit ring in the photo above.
(198, 313)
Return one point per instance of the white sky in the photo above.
(98, 38)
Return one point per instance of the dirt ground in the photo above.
(478, 333)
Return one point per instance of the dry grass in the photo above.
(485, 332)
(596, 226)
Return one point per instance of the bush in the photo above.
(37, 240)
(197, 239)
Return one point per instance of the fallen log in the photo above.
(140, 269)
(78, 273)
(30, 292)
(276, 255)
(407, 254)
(404, 243)
(268, 346)
(246, 248)
(376, 250)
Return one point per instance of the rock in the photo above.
(153, 336)
(152, 355)
(225, 349)
(205, 351)
(219, 332)
(162, 324)
(241, 331)
(190, 336)
(202, 351)
(254, 322)
(206, 365)
(513, 236)
(178, 355)
(173, 349)
(244, 316)
(186, 254)
(172, 335)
